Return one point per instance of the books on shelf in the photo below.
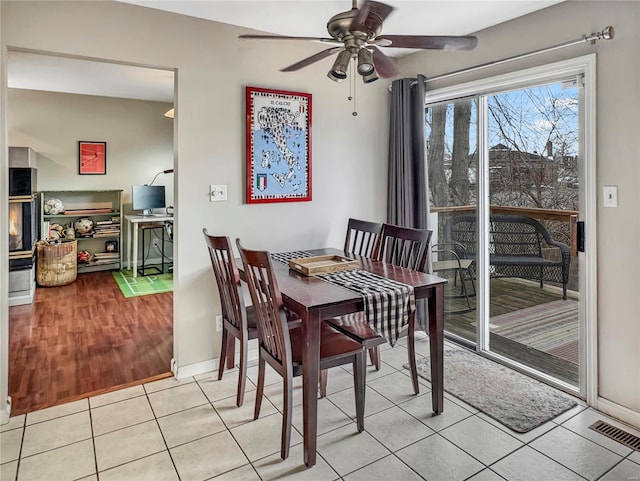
(101, 262)
(107, 228)
(100, 258)
(106, 255)
(108, 222)
(97, 262)
(95, 234)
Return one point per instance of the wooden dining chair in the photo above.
(404, 247)
(237, 320)
(361, 237)
(282, 347)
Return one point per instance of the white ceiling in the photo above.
(309, 17)
(62, 74)
(285, 17)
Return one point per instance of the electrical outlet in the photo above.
(219, 323)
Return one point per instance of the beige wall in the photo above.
(139, 139)
(213, 67)
(618, 157)
(349, 169)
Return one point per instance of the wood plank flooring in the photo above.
(86, 338)
(508, 295)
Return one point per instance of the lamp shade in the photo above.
(169, 113)
(339, 69)
(371, 77)
(365, 61)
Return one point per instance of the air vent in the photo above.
(617, 434)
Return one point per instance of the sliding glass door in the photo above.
(452, 155)
(533, 191)
(505, 173)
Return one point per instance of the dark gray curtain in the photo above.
(408, 182)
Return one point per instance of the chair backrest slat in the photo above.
(403, 246)
(227, 279)
(273, 330)
(361, 237)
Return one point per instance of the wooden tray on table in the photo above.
(315, 265)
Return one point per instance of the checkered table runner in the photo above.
(387, 303)
(285, 257)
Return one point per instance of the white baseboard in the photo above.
(621, 413)
(5, 412)
(181, 372)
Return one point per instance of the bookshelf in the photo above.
(103, 240)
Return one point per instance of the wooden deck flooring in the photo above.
(84, 339)
(508, 295)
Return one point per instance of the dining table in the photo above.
(315, 299)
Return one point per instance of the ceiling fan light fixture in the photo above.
(340, 66)
(372, 77)
(332, 77)
(365, 62)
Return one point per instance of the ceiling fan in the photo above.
(355, 35)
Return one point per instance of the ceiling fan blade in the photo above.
(427, 42)
(309, 60)
(382, 10)
(385, 66)
(284, 37)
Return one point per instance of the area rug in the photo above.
(552, 327)
(142, 285)
(511, 398)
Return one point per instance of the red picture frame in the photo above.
(278, 157)
(92, 158)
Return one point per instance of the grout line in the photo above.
(555, 460)
(164, 440)
(596, 443)
(24, 429)
(93, 443)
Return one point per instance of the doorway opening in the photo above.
(86, 337)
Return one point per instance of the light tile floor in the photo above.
(191, 430)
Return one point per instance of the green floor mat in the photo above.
(142, 285)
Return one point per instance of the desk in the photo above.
(314, 300)
(134, 222)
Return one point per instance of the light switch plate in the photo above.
(218, 193)
(610, 194)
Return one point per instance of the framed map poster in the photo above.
(92, 158)
(278, 146)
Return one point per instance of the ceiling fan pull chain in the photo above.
(352, 87)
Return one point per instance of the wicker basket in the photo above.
(57, 264)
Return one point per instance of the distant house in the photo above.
(508, 167)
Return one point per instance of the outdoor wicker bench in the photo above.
(516, 246)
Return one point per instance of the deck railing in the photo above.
(570, 216)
